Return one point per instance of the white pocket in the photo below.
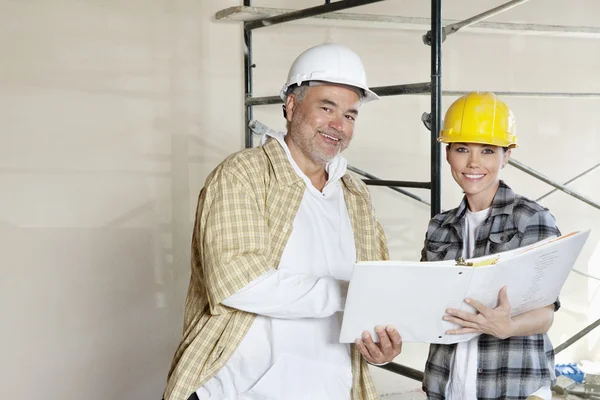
(297, 378)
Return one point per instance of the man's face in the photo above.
(322, 124)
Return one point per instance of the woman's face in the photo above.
(475, 168)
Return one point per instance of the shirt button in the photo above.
(480, 370)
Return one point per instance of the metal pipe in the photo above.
(263, 101)
(569, 181)
(417, 89)
(577, 336)
(395, 189)
(307, 13)
(392, 90)
(248, 81)
(407, 184)
(403, 370)
(550, 182)
(436, 106)
(409, 88)
(453, 28)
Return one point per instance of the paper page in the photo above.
(411, 296)
(506, 255)
(481, 288)
(535, 276)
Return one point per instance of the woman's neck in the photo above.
(482, 200)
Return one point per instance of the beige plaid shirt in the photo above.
(243, 222)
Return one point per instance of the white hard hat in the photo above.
(332, 63)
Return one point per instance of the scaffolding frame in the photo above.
(433, 121)
(434, 37)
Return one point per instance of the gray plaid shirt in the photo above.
(512, 368)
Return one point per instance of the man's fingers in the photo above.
(371, 346)
(385, 343)
(389, 346)
(395, 337)
(363, 350)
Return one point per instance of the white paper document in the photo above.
(414, 296)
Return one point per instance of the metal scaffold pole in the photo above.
(453, 28)
(436, 105)
(248, 80)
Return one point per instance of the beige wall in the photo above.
(112, 113)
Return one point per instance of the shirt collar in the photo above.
(282, 169)
(503, 203)
(288, 172)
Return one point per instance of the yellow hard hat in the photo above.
(479, 118)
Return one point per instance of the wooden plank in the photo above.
(373, 21)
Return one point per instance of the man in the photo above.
(278, 229)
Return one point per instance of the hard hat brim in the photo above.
(441, 139)
(368, 95)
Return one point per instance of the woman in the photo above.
(513, 357)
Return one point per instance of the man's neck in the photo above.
(316, 172)
(318, 179)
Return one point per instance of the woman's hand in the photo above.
(491, 321)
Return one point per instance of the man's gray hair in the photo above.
(299, 92)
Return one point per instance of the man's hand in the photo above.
(389, 346)
(495, 322)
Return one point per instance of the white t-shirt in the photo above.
(463, 368)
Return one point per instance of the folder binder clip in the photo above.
(461, 262)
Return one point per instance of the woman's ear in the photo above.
(505, 158)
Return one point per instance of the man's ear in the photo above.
(290, 107)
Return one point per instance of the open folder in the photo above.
(414, 296)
